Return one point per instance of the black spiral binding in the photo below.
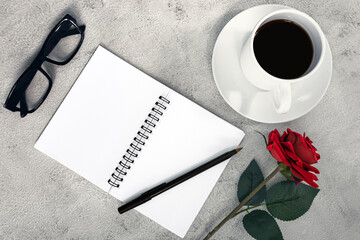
(138, 142)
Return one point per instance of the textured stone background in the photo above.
(172, 41)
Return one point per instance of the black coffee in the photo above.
(283, 49)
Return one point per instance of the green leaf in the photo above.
(262, 226)
(249, 180)
(288, 201)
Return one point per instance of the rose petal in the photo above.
(290, 152)
(291, 138)
(303, 151)
(273, 136)
(308, 168)
(310, 182)
(304, 174)
(309, 144)
(313, 184)
(308, 140)
(277, 153)
(284, 137)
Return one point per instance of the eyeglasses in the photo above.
(34, 85)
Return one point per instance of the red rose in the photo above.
(297, 152)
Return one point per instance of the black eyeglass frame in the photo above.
(17, 92)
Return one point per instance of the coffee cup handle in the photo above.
(281, 94)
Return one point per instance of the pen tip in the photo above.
(238, 149)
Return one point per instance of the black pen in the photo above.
(166, 186)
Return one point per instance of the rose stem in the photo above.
(242, 203)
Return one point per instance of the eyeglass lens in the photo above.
(63, 42)
(37, 89)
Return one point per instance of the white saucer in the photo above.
(240, 94)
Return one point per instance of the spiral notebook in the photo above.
(126, 133)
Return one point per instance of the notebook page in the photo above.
(186, 137)
(99, 117)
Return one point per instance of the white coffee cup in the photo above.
(281, 88)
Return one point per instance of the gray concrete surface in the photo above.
(172, 41)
